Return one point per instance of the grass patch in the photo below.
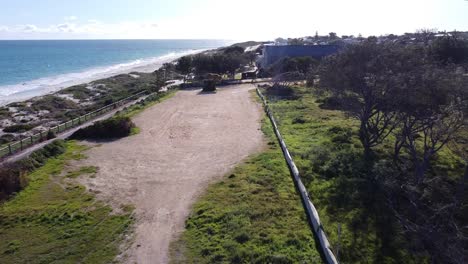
(135, 131)
(81, 171)
(57, 221)
(254, 215)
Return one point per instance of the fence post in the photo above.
(21, 144)
(9, 149)
(32, 139)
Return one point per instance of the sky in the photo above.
(224, 19)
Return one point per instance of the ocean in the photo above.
(34, 67)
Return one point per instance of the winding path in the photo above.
(185, 143)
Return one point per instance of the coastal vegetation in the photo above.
(13, 176)
(410, 102)
(23, 119)
(111, 128)
(19, 128)
(223, 61)
(325, 146)
(56, 219)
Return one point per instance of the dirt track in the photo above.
(185, 143)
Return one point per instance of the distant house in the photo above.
(273, 53)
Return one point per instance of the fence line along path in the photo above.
(312, 214)
(21, 149)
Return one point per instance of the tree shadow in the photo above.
(358, 201)
(206, 93)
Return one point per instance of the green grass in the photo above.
(253, 215)
(328, 153)
(83, 170)
(58, 221)
(135, 131)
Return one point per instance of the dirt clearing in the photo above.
(185, 143)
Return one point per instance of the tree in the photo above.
(430, 111)
(300, 64)
(234, 49)
(295, 41)
(450, 49)
(219, 63)
(360, 79)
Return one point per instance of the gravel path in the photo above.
(185, 143)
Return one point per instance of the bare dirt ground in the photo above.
(185, 143)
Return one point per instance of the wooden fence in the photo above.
(312, 214)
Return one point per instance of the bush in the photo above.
(116, 127)
(51, 134)
(281, 91)
(13, 175)
(20, 128)
(209, 86)
(6, 138)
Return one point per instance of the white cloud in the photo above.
(66, 27)
(29, 28)
(71, 18)
(4, 29)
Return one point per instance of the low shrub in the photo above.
(281, 92)
(6, 138)
(209, 86)
(19, 128)
(53, 103)
(115, 127)
(51, 134)
(13, 175)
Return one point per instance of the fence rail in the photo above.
(39, 137)
(312, 214)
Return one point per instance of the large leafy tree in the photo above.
(360, 78)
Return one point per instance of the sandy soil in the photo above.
(185, 143)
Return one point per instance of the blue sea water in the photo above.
(37, 66)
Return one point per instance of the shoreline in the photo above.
(64, 81)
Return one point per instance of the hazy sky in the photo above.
(227, 19)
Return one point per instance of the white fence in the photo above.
(312, 214)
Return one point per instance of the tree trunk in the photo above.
(462, 186)
(420, 170)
